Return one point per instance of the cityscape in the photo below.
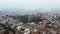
(35, 23)
(29, 16)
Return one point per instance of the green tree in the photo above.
(23, 18)
(36, 19)
(8, 28)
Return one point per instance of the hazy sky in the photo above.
(30, 4)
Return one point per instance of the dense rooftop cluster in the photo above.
(49, 25)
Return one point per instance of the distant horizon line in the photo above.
(29, 9)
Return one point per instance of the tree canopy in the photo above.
(24, 18)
